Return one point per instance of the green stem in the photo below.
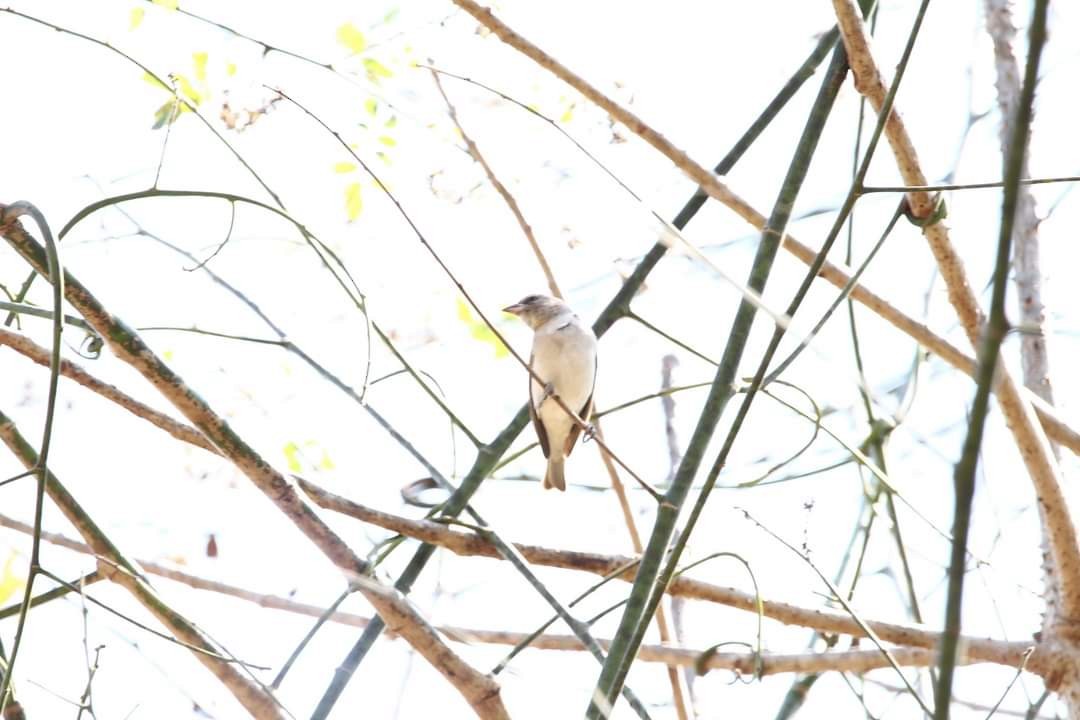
(967, 186)
(647, 590)
(488, 456)
(989, 351)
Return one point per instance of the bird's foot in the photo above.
(549, 390)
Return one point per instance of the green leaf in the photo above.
(136, 17)
(344, 167)
(200, 65)
(187, 89)
(479, 329)
(568, 114)
(168, 4)
(292, 457)
(371, 106)
(391, 123)
(167, 113)
(11, 581)
(376, 69)
(147, 77)
(387, 140)
(353, 202)
(325, 462)
(230, 69)
(351, 38)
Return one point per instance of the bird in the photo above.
(563, 356)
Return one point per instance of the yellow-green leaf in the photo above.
(351, 38)
(292, 457)
(479, 329)
(167, 113)
(376, 69)
(344, 167)
(391, 123)
(353, 203)
(325, 462)
(136, 17)
(387, 140)
(371, 106)
(200, 59)
(187, 89)
(230, 69)
(568, 114)
(147, 77)
(168, 4)
(10, 582)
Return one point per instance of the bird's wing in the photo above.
(584, 413)
(538, 424)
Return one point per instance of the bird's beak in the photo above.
(515, 309)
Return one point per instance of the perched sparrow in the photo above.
(564, 356)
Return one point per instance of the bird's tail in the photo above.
(554, 477)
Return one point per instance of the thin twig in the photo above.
(480, 691)
(772, 663)
(511, 202)
(837, 595)
(467, 544)
(581, 422)
(30, 349)
(54, 270)
(989, 356)
(1054, 506)
(868, 189)
(123, 571)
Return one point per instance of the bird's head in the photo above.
(535, 310)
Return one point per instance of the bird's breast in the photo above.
(567, 359)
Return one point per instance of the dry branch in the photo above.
(479, 690)
(712, 185)
(839, 275)
(1027, 273)
(467, 544)
(772, 663)
(506, 195)
(28, 348)
(1019, 415)
(117, 568)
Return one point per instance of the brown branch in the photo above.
(709, 182)
(466, 544)
(117, 568)
(1019, 415)
(773, 663)
(27, 347)
(679, 690)
(839, 275)
(511, 202)
(1026, 274)
(699, 174)
(479, 690)
(1035, 450)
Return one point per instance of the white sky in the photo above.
(699, 73)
